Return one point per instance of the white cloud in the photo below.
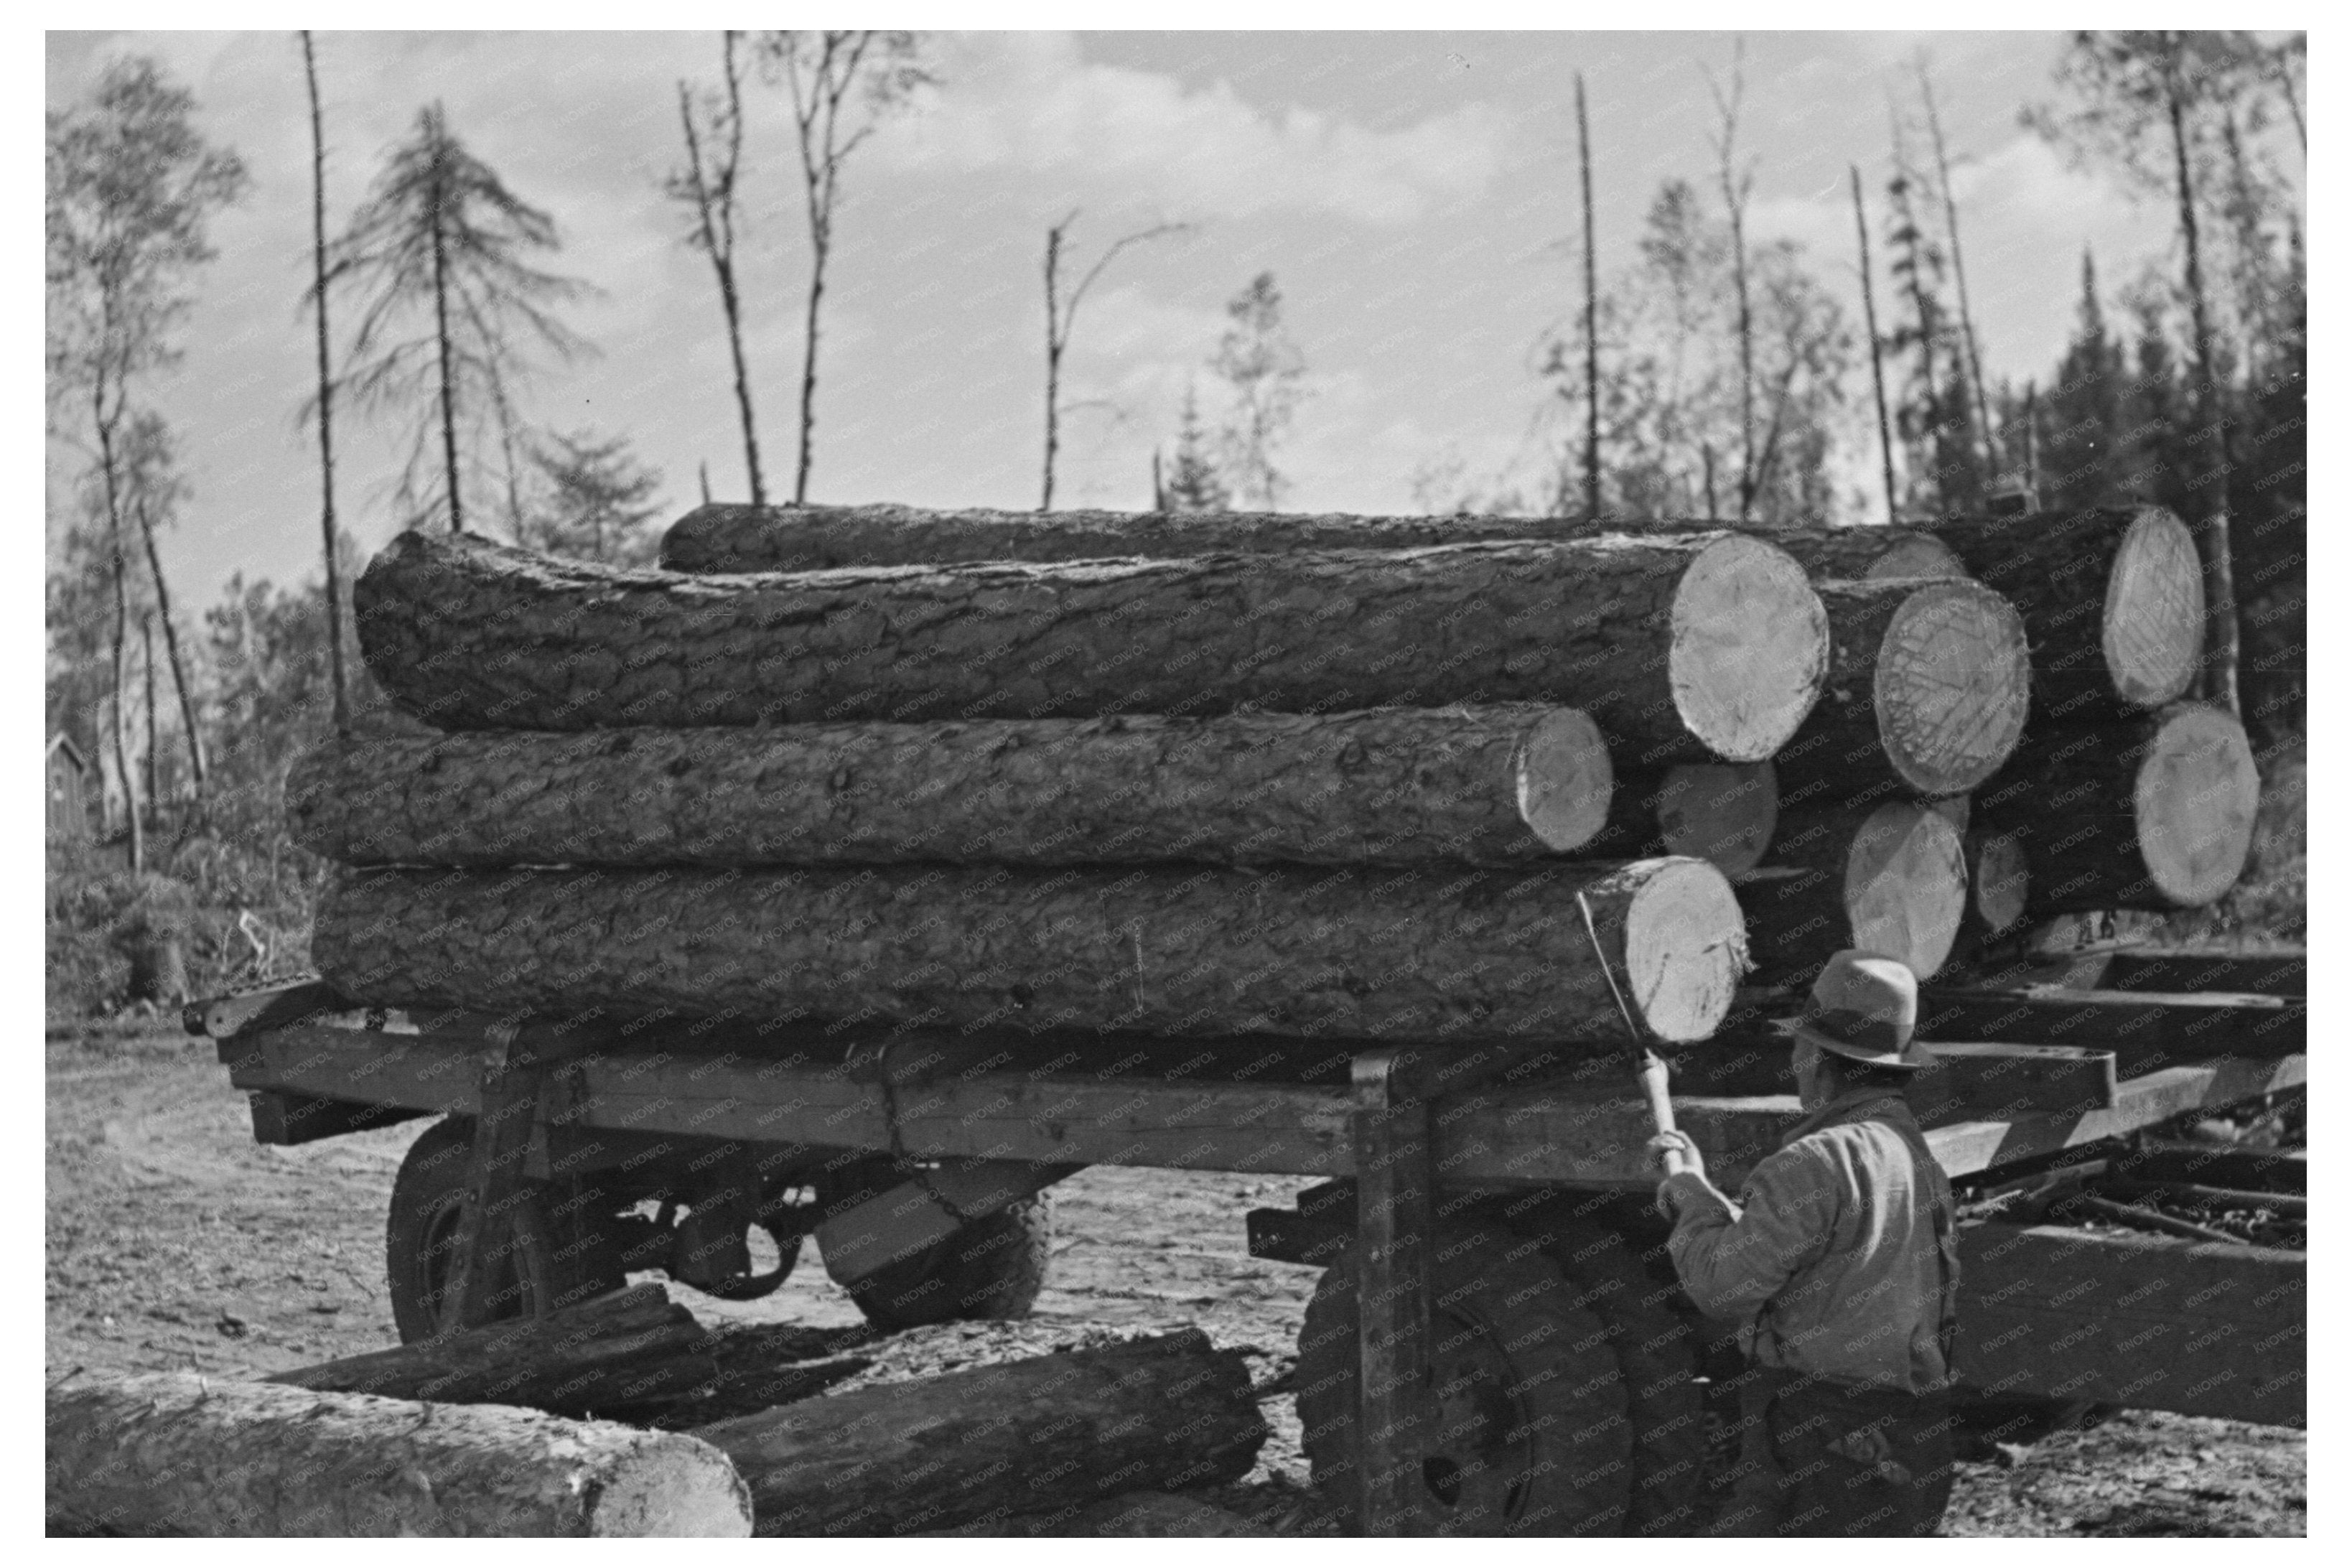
(1029, 103)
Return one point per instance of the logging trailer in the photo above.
(920, 1161)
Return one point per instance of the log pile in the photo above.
(1223, 774)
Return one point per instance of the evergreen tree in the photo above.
(1195, 485)
(595, 498)
(1263, 367)
(441, 252)
(2081, 433)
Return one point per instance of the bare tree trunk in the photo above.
(130, 803)
(716, 215)
(2213, 528)
(147, 672)
(448, 385)
(2033, 449)
(1053, 355)
(325, 399)
(1959, 273)
(171, 649)
(820, 244)
(1591, 319)
(1735, 201)
(1870, 324)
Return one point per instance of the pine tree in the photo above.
(595, 499)
(440, 252)
(1263, 367)
(2081, 459)
(1194, 485)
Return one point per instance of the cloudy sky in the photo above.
(1413, 193)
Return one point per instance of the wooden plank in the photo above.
(2282, 973)
(1969, 1146)
(1976, 1082)
(1393, 1144)
(2148, 1321)
(2222, 1165)
(306, 1000)
(1574, 1130)
(281, 1118)
(2145, 1030)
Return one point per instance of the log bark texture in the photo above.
(1891, 880)
(1722, 813)
(180, 1453)
(2151, 814)
(1429, 954)
(632, 1347)
(990, 1442)
(1686, 646)
(2113, 600)
(1926, 693)
(725, 537)
(1482, 785)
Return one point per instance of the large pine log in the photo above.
(180, 1453)
(2154, 813)
(1722, 813)
(1926, 693)
(1893, 880)
(2113, 598)
(990, 1442)
(727, 537)
(632, 1347)
(1431, 954)
(1689, 648)
(1482, 786)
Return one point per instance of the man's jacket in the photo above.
(1840, 1258)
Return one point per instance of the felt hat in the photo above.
(1863, 1008)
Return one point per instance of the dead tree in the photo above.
(1062, 314)
(707, 184)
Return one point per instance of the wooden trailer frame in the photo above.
(1005, 1113)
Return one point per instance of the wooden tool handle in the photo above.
(1662, 1109)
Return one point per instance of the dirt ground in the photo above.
(175, 1242)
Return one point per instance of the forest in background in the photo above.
(1711, 377)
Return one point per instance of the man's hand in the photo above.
(1685, 1154)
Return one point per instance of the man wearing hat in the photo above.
(1840, 1262)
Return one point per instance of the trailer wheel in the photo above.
(428, 1198)
(1533, 1438)
(1658, 1357)
(992, 1268)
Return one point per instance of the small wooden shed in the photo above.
(68, 783)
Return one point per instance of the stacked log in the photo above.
(1493, 785)
(1692, 647)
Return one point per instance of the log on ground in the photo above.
(992, 1442)
(1690, 647)
(630, 1348)
(1480, 785)
(2112, 599)
(181, 1454)
(1437, 954)
(2151, 814)
(1927, 694)
(1892, 880)
(727, 537)
(1722, 813)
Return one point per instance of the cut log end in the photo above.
(2194, 802)
(1920, 555)
(674, 1489)
(1685, 948)
(1720, 813)
(1749, 648)
(1906, 885)
(2154, 627)
(1564, 779)
(1999, 881)
(1952, 687)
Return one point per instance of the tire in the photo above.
(428, 1198)
(992, 1268)
(1527, 1386)
(1658, 1358)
